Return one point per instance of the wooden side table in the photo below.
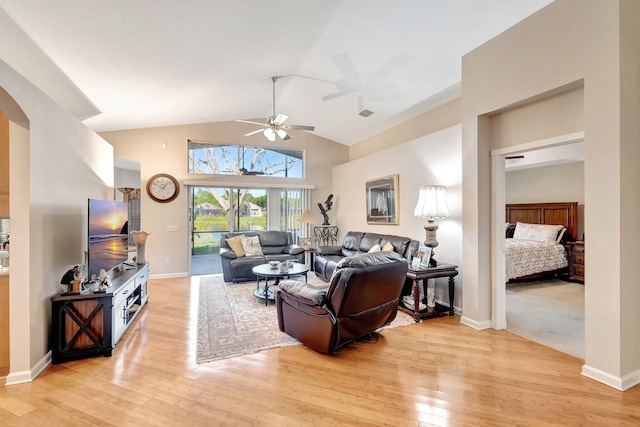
(422, 275)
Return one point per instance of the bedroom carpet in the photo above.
(233, 322)
(550, 312)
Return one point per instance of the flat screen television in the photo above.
(108, 235)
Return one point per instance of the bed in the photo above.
(538, 231)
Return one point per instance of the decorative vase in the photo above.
(140, 239)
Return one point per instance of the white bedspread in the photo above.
(524, 257)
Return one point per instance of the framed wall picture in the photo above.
(305, 242)
(382, 200)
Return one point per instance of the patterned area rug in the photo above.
(233, 322)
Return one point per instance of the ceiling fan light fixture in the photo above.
(282, 134)
(270, 134)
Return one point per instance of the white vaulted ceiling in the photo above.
(160, 62)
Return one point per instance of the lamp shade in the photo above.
(307, 217)
(432, 202)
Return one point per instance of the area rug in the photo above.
(233, 322)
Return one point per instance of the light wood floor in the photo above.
(438, 372)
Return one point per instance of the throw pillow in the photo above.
(251, 245)
(235, 243)
(375, 248)
(388, 247)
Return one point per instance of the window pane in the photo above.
(220, 159)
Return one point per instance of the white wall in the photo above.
(431, 159)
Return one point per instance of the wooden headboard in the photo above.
(546, 213)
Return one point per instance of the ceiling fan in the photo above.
(374, 87)
(274, 125)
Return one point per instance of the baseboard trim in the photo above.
(619, 383)
(169, 275)
(30, 375)
(486, 324)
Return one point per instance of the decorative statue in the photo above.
(326, 208)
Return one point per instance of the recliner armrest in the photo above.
(310, 294)
(294, 249)
(227, 253)
(329, 250)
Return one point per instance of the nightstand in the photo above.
(576, 261)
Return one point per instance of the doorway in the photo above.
(498, 315)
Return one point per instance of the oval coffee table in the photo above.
(266, 271)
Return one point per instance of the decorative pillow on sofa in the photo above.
(388, 247)
(537, 232)
(375, 248)
(235, 243)
(251, 245)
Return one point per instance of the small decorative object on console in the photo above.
(140, 239)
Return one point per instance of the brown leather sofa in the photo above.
(362, 296)
(357, 242)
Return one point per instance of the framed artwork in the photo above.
(305, 242)
(382, 200)
(424, 255)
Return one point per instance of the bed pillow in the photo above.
(235, 243)
(536, 232)
(561, 235)
(251, 245)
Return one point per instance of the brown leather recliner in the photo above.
(361, 297)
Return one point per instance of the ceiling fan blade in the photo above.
(345, 64)
(298, 127)
(253, 123)
(280, 118)
(390, 66)
(253, 133)
(333, 95)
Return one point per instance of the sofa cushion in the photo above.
(235, 243)
(368, 241)
(351, 243)
(251, 245)
(400, 244)
(274, 242)
(388, 247)
(375, 248)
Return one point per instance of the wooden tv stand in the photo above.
(91, 324)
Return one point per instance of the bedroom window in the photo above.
(222, 159)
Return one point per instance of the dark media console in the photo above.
(91, 324)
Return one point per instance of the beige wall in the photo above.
(56, 164)
(557, 183)
(556, 113)
(430, 159)
(145, 146)
(565, 42)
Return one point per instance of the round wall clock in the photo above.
(162, 188)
